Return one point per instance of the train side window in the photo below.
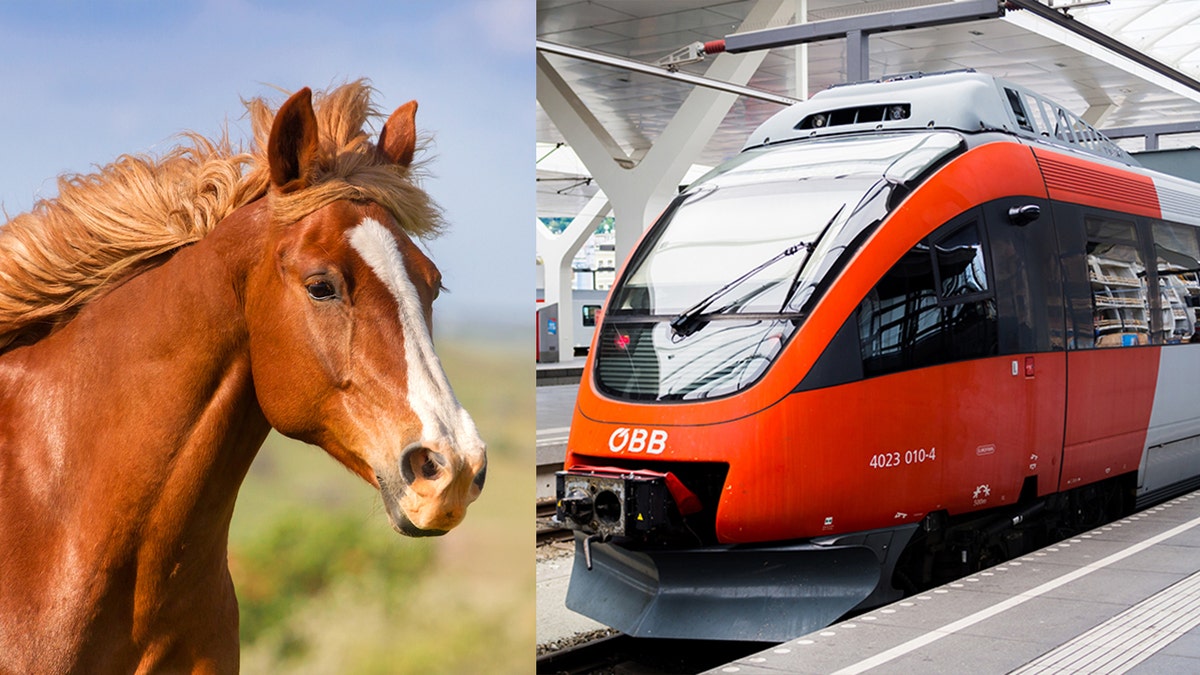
(960, 264)
(895, 317)
(1178, 268)
(934, 306)
(589, 314)
(1120, 288)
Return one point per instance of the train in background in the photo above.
(916, 327)
(582, 309)
(587, 304)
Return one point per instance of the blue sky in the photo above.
(87, 81)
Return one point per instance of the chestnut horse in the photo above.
(156, 320)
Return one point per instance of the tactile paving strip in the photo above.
(1122, 642)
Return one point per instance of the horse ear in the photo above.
(398, 139)
(292, 146)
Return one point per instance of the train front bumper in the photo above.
(756, 593)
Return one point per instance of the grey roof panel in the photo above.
(961, 100)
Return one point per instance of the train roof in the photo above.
(963, 100)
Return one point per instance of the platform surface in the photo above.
(566, 371)
(1122, 598)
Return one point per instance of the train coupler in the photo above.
(606, 502)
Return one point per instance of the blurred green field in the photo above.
(326, 586)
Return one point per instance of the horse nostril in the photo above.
(418, 458)
(429, 469)
(481, 476)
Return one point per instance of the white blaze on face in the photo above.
(429, 392)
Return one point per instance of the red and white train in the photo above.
(861, 356)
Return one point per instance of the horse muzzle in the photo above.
(405, 526)
(428, 490)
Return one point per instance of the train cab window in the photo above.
(1178, 267)
(1120, 288)
(934, 306)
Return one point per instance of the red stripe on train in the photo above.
(1081, 181)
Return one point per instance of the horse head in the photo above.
(339, 316)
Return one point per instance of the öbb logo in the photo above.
(649, 441)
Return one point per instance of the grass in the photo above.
(326, 586)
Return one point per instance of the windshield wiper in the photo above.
(800, 270)
(688, 321)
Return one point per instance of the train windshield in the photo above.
(726, 276)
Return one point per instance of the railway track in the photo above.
(623, 654)
(551, 448)
(548, 529)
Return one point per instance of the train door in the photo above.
(1032, 335)
(1172, 451)
(1111, 366)
(965, 336)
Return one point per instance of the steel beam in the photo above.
(642, 188)
(656, 71)
(1153, 129)
(1105, 41)
(1151, 132)
(879, 22)
(858, 56)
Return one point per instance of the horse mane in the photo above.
(108, 226)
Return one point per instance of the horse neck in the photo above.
(149, 395)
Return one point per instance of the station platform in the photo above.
(1122, 598)
(567, 371)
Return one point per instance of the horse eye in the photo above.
(321, 290)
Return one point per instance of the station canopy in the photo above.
(1108, 90)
